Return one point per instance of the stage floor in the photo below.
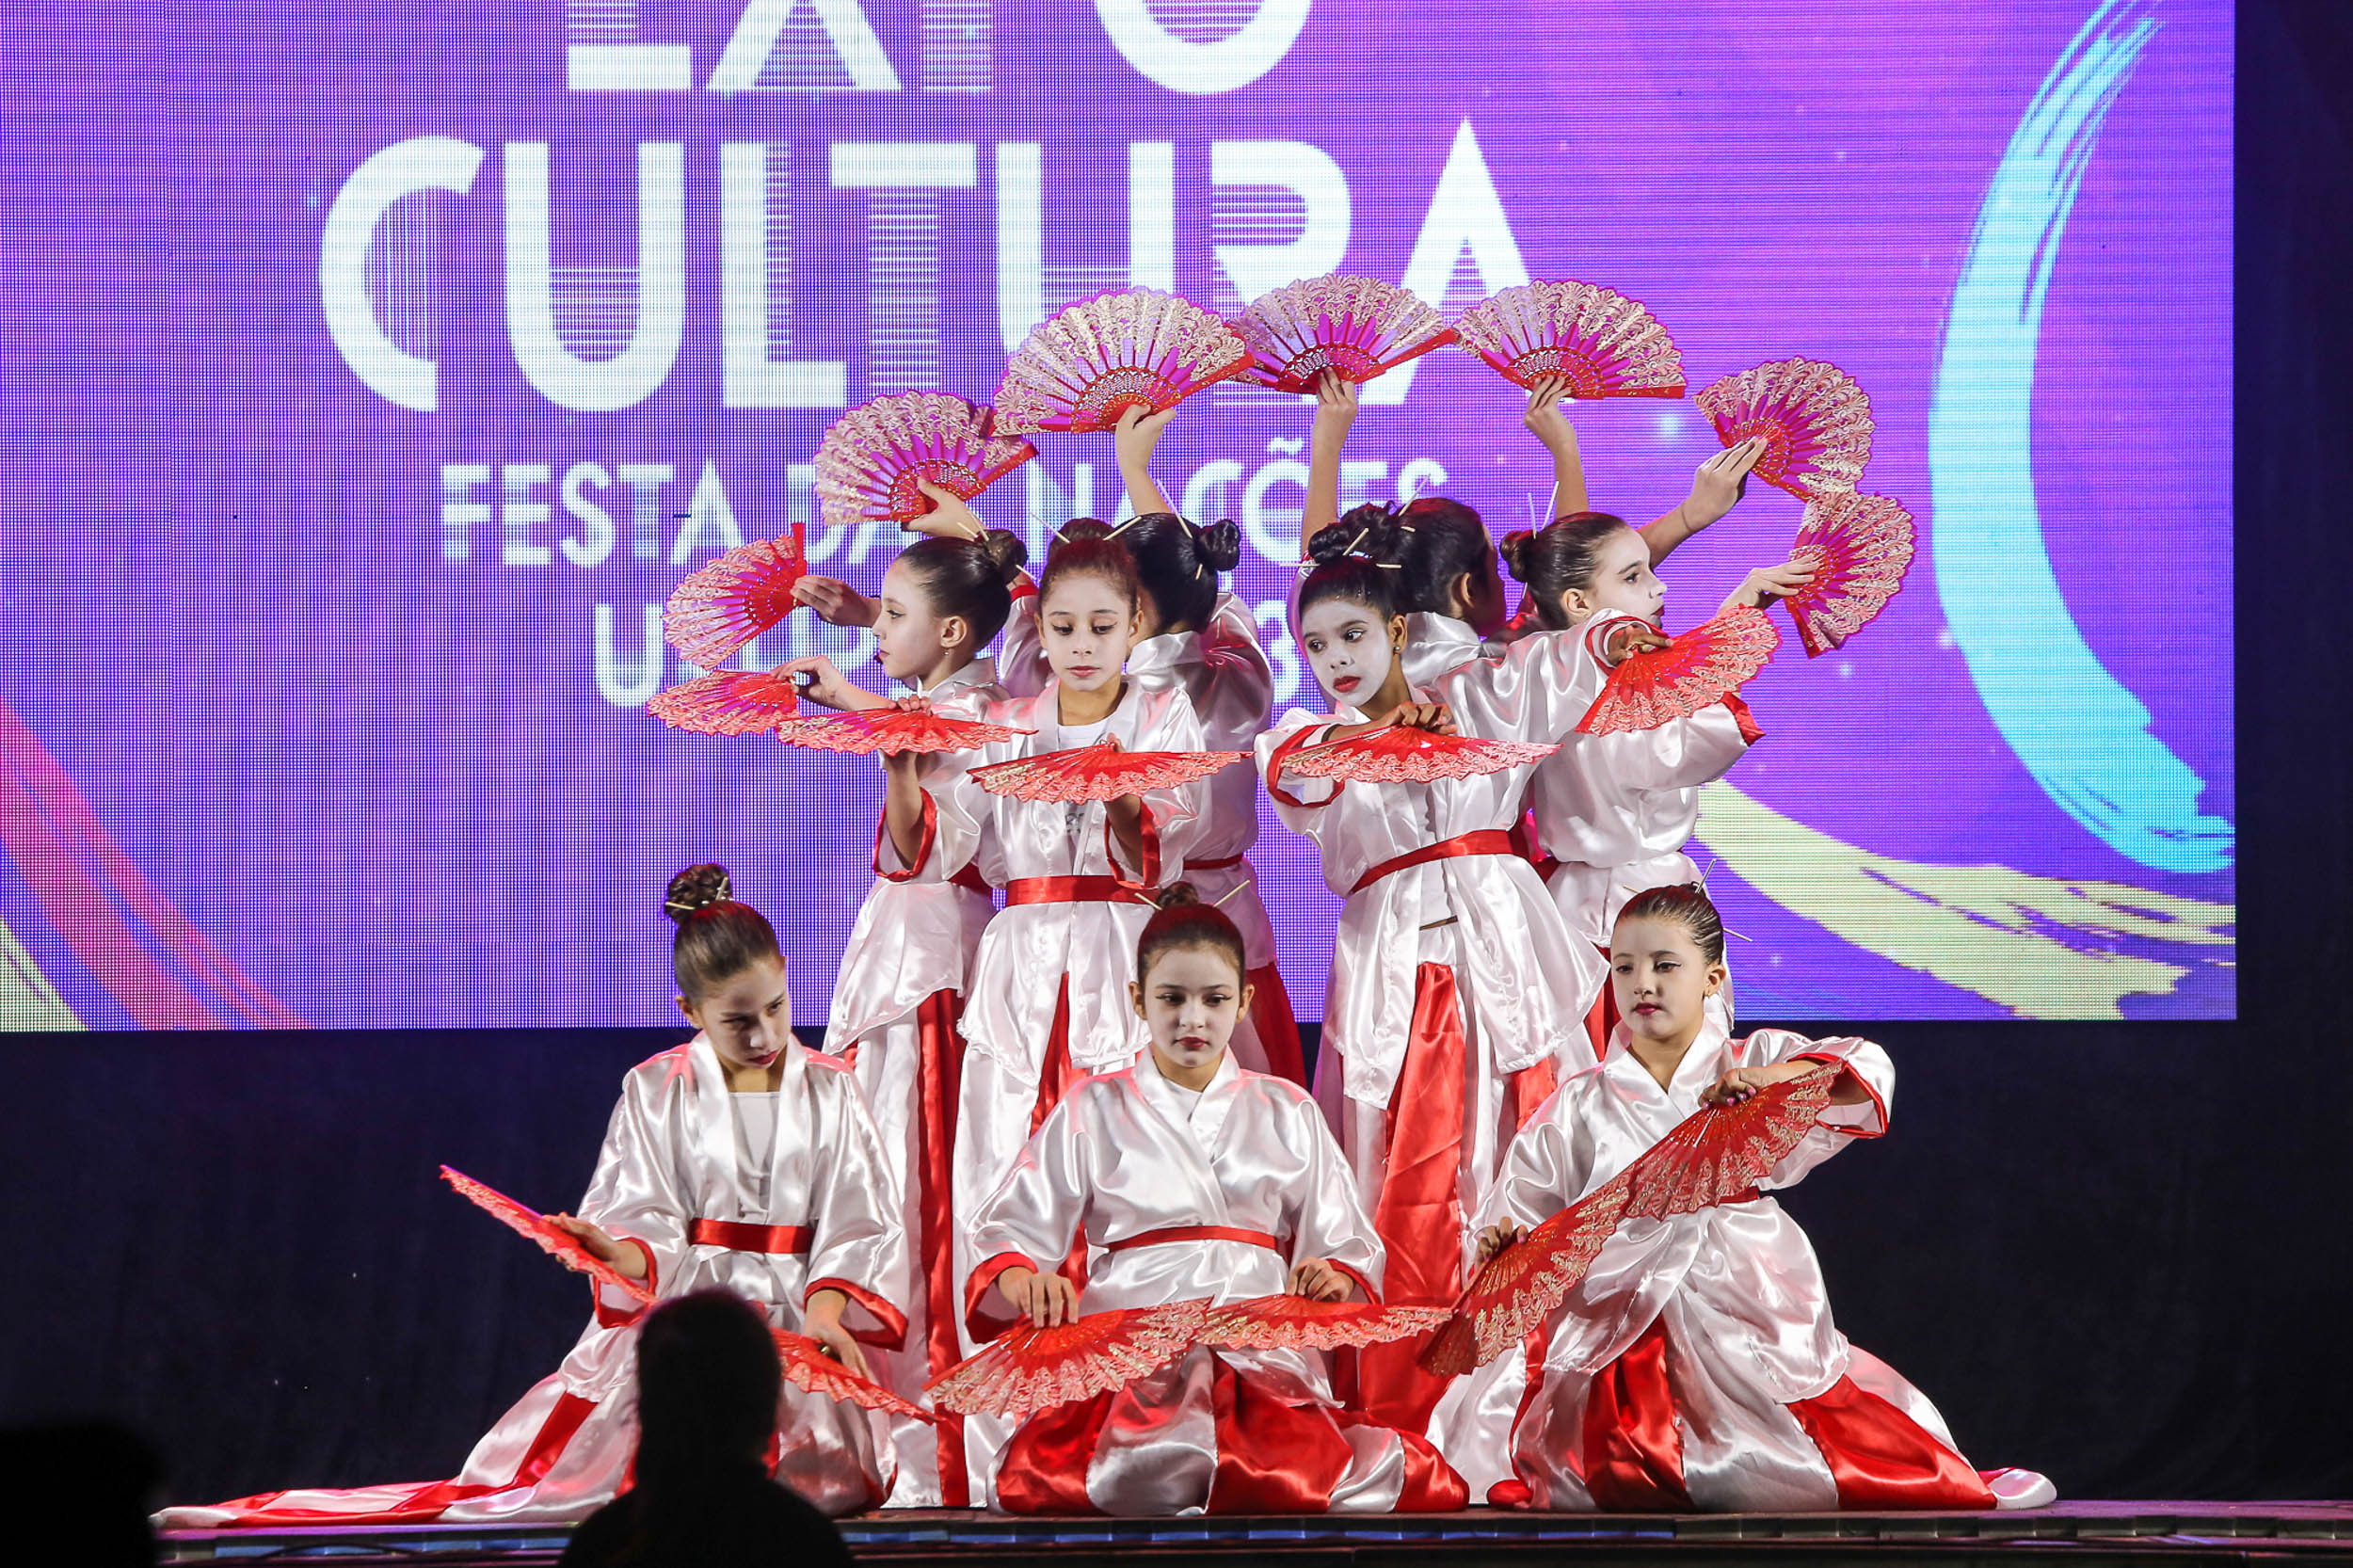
(2179, 1533)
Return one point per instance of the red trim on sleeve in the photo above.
(1274, 770)
(1148, 877)
(1602, 629)
(922, 848)
(1877, 1104)
(618, 1317)
(1024, 586)
(976, 1291)
(1751, 732)
(893, 1333)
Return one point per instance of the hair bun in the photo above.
(698, 888)
(1515, 549)
(1177, 895)
(1006, 552)
(1221, 545)
(1076, 530)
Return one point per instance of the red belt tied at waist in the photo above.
(1074, 889)
(1226, 865)
(1487, 841)
(1199, 1233)
(738, 1236)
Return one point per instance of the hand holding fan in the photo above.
(1027, 1368)
(724, 605)
(728, 702)
(1400, 754)
(1521, 1285)
(1356, 327)
(1815, 422)
(1698, 670)
(1860, 547)
(558, 1243)
(873, 457)
(1604, 343)
(807, 1366)
(1721, 1150)
(1081, 369)
(891, 730)
(1299, 1322)
(1100, 771)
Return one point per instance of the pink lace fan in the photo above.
(1355, 327)
(1394, 753)
(1521, 1285)
(727, 602)
(1722, 1151)
(561, 1245)
(1100, 771)
(1860, 547)
(807, 1366)
(728, 702)
(1605, 345)
(1029, 1368)
(1081, 369)
(873, 458)
(1815, 422)
(891, 730)
(1279, 1322)
(1704, 667)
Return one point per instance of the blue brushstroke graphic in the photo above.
(2079, 732)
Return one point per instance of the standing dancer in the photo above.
(740, 1159)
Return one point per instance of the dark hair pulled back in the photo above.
(1564, 553)
(1178, 564)
(1439, 541)
(1182, 921)
(972, 578)
(1356, 560)
(718, 937)
(1687, 905)
(1084, 547)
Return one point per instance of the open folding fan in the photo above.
(561, 1245)
(1296, 1323)
(1355, 327)
(1700, 669)
(1081, 368)
(1815, 422)
(728, 702)
(892, 731)
(1100, 771)
(1396, 754)
(1522, 1284)
(807, 1366)
(1860, 547)
(727, 602)
(1720, 1151)
(1029, 1368)
(1605, 345)
(873, 458)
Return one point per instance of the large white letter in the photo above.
(748, 270)
(1021, 230)
(421, 163)
(1308, 173)
(1465, 214)
(1180, 64)
(846, 28)
(903, 249)
(631, 375)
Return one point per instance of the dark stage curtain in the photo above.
(2116, 1252)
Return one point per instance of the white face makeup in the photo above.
(1623, 582)
(1190, 1001)
(1350, 649)
(909, 635)
(1661, 979)
(747, 1016)
(1087, 626)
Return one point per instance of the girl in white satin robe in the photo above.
(1186, 1178)
(784, 1196)
(1697, 1366)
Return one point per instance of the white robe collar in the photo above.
(713, 1119)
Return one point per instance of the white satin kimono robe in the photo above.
(896, 1001)
(673, 1178)
(1181, 1195)
(1224, 671)
(1457, 998)
(1697, 1366)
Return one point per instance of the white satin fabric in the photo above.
(1129, 1152)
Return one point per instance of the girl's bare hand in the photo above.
(1048, 1300)
(1545, 417)
(950, 518)
(1433, 716)
(1495, 1237)
(1317, 1280)
(836, 602)
(1721, 481)
(1767, 584)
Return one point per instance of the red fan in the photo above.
(724, 605)
(1355, 327)
(1815, 422)
(1522, 1284)
(1605, 345)
(807, 1365)
(1294, 1322)
(873, 458)
(1396, 754)
(893, 731)
(1081, 369)
(728, 702)
(1100, 771)
(1721, 1150)
(1860, 547)
(1029, 1369)
(1700, 669)
(561, 1245)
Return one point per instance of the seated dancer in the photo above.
(1696, 1366)
(1189, 1178)
(740, 1159)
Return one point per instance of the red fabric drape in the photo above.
(1044, 1469)
(939, 1066)
(739, 1236)
(1278, 1030)
(1273, 1456)
(1880, 1458)
(1601, 1019)
(1054, 1078)
(1484, 841)
(1633, 1448)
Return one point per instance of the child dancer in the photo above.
(900, 990)
(1696, 1366)
(738, 1160)
(1189, 1177)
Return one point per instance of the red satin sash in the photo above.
(1197, 1233)
(939, 1065)
(736, 1235)
(1278, 1030)
(1056, 1074)
(1226, 865)
(1074, 889)
(1880, 1458)
(1485, 840)
(1633, 1448)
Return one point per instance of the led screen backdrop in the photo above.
(376, 372)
